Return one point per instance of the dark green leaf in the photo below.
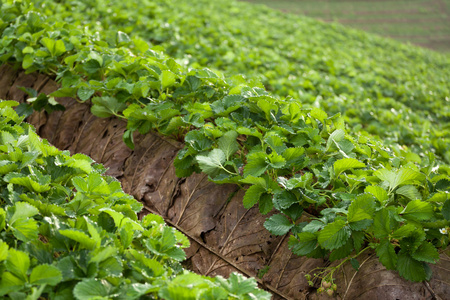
(386, 252)
(278, 224)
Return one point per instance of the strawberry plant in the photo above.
(67, 231)
(295, 159)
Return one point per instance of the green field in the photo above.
(283, 147)
(421, 22)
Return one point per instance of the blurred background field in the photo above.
(421, 22)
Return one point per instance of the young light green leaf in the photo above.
(45, 274)
(212, 164)
(3, 251)
(255, 180)
(379, 193)
(228, 144)
(318, 114)
(334, 235)
(18, 263)
(418, 210)
(79, 237)
(409, 191)
(167, 79)
(361, 208)
(25, 230)
(395, 178)
(345, 164)
(23, 210)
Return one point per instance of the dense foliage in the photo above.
(398, 92)
(295, 158)
(68, 231)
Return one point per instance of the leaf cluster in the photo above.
(69, 232)
(294, 158)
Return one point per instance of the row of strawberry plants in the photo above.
(295, 159)
(396, 91)
(67, 231)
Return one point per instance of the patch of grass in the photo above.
(422, 22)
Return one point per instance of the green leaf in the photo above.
(111, 267)
(25, 230)
(278, 224)
(92, 289)
(418, 210)
(275, 161)
(335, 137)
(249, 131)
(23, 210)
(252, 195)
(403, 176)
(318, 114)
(379, 193)
(212, 164)
(256, 164)
(284, 199)
(265, 203)
(410, 268)
(18, 263)
(228, 144)
(386, 252)
(404, 231)
(443, 184)
(122, 38)
(409, 191)
(84, 93)
(446, 210)
(45, 274)
(105, 107)
(294, 156)
(3, 251)
(305, 244)
(255, 180)
(49, 44)
(167, 79)
(382, 223)
(198, 140)
(334, 235)
(345, 164)
(27, 61)
(79, 237)
(59, 48)
(26, 181)
(426, 253)
(10, 283)
(342, 252)
(276, 143)
(354, 263)
(361, 208)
